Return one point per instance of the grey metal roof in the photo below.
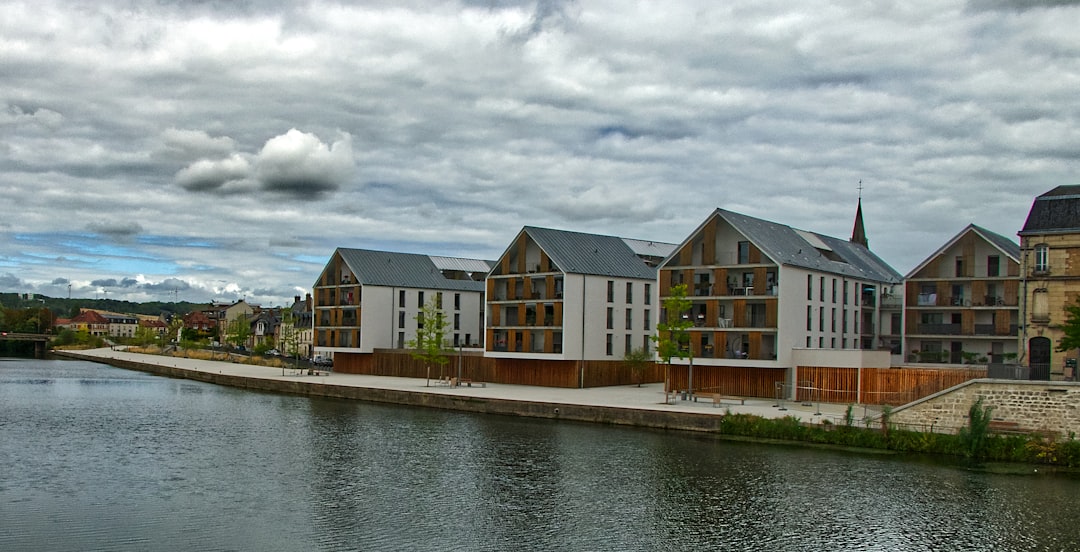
(785, 245)
(408, 270)
(645, 248)
(1055, 211)
(593, 254)
(461, 265)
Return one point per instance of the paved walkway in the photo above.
(646, 397)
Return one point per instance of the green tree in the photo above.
(1071, 328)
(238, 331)
(637, 361)
(289, 336)
(671, 331)
(430, 345)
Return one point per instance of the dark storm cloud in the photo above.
(167, 285)
(9, 281)
(115, 230)
(106, 282)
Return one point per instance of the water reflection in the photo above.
(137, 462)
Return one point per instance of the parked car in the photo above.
(320, 360)
(273, 352)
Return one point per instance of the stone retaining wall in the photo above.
(685, 421)
(1026, 406)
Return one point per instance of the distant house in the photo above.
(1049, 280)
(303, 318)
(963, 300)
(366, 300)
(264, 328)
(90, 322)
(156, 326)
(198, 321)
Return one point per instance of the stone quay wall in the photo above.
(682, 421)
(1051, 408)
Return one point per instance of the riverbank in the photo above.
(622, 405)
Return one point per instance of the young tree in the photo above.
(637, 361)
(430, 344)
(1071, 328)
(289, 336)
(671, 332)
(238, 331)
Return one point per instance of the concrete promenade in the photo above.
(626, 405)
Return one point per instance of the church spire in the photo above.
(858, 234)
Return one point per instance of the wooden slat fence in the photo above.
(543, 373)
(887, 386)
(743, 381)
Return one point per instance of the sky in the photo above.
(222, 150)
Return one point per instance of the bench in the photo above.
(716, 398)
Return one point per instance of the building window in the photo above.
(821, 343)
(645, 344)
(809, 287)
(834, 290)
(629, 345)
(629, 293)
(648, 294)
(647, 322)
(845, 291)
(438, 300)
(832, 343)
(844, 326)
(821, 319)
(832, 323)
(420, 320)
(610, 291)
(401, 340)
(821, 290)
(420, 299)
(468, 339)
(809, 318)
(1042, 258)
(610, 318)
(629, 319)
(401, 298)
(609, 344)
(959, 267)
(457, 340)
(1040, 306)
(401, 319)
(993, 266)
(457, 322)
(807, 342)
(744, 252)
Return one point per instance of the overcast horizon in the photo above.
(216, 150)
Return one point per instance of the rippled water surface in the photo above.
(97, 458)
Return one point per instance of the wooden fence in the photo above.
(888, 386)
(475, 367)
(743, 381)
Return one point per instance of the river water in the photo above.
(97, 458)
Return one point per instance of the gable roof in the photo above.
(1056, 211)
(1003, 244)
(799, 248)
(408, 270)
(592, 254)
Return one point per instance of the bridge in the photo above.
(40, 340)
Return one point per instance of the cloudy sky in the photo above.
(219, 150)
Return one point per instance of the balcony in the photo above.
(938, 329)
(926, 300)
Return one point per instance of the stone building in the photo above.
(1050, 280)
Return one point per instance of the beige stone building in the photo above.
(1050, 280)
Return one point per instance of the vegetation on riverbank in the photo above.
(976, 442)
(203, 354)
